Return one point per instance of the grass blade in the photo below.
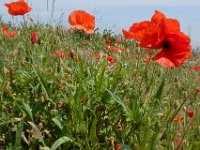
(59, 142)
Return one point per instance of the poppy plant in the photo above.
(177, 141)
(61, 54)
(138, 30)
(81, 20)
(72, 53)
(4, 29)
(108, 47)
(110, 59)
(118, 42)
(177, 119)
(18, 8)
(34, 37)
(198, 89)
(107, 68)
(145, 29)
(76, 59)
(146, 59)
(97, 56)
(175, 48)
(196, 68)
(118, 146)
(190, 112)
(115, 49)
(10, 34)
(164, 34)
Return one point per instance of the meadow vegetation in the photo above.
(66, 89)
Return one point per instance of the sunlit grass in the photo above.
(79, 102)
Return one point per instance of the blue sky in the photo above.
(117, 14)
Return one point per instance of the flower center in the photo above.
(166, 45)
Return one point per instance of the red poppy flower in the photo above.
(118, 42)
(97, 56)
(105, 53)
(146, 59)
(10, 34)
(190, 112)
(175, 48)
(162, 33)
(61, 54)
(123, 48)
(136, 57)
(197, 89)
(177, 119)
(18, 8)
(196, 68)
(108, 47)
(157, 17)
(158, 31)
(82, 20)
(4, 29)
(138, 30)
(118, 146)
(34, 37)
(107, 37)
(107, 68)
(110, 59)
(76, 59)
(115, 49)
(177, 141)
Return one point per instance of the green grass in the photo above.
(47, 102)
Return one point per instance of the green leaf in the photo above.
(160, 90)
(19, 131)
(155, 137)
(93, 136)
(44, 85)
(42, 82)
(45, 148)
(145, 137)
(24, 73)
(60, 141)
(57, 122)
(81, 64)
(26, 109)
(116, 75)
(119, 101)
(99, 78)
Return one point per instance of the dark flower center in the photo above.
(166, 44)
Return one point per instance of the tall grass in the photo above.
(79, 102)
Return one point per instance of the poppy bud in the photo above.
(190, 113)
(34, 38)
(72, 53)
(118, 146)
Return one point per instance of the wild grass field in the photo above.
(68, 90)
